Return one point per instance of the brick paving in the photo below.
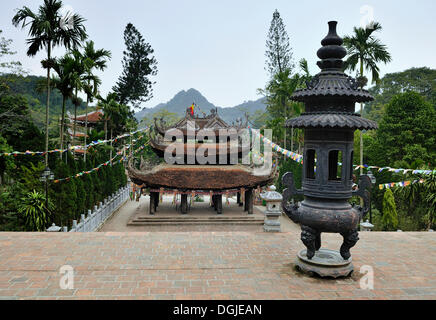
(208, 265)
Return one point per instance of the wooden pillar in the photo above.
(156, 201)
(214, 201)
(151, 205)
(248, 205)
(184, 204)
(219, 204)
(238, 199)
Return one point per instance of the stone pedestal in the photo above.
(325, 263)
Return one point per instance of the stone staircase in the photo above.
(156, 220)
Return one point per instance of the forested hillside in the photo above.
(32, 88)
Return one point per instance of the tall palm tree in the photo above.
(76, 80)
(365, 51)
(64, 67)
(49, 29)
(92, 59)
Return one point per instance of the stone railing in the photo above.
(97, 217)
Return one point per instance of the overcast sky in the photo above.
(218, 47)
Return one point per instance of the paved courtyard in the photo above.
(208, 265)
(119, 221)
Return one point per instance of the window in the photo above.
(310, 161)
(335, 169)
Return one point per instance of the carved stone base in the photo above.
(325, 263)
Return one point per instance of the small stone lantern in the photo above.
(366, 226)
(273, 210)
(54, 228)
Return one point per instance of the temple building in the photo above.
(203, 155)
(93, 118)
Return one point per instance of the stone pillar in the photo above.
(273, 211)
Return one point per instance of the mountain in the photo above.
(184, 99)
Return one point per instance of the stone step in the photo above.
(157, 217)
(192, 222)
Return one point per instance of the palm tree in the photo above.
(33, 208)
(76, 81)
(64, 67)
(92, 59)
(116, 114)
(49, 29)
(365, 51)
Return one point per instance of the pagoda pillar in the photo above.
(248, 205)
(238, 199)
(151, 206)
(184, 204)
(156, 201)
(219, 204)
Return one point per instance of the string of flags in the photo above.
(399, 184)
(299, 158)
(294, 156)
(403, 171)
(104, 164)
(77, 175)
(72, 148)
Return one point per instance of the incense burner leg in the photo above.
(350, 239)
(184, 204)
(309, 237)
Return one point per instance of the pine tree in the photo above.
(278, 50)
(134, 85)
(390, 216)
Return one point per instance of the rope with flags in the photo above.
(72, 148)
(299, 158)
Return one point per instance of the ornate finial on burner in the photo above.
(331, 52)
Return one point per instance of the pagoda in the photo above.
(202, 156)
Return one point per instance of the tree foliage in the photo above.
(365, 51)
(420, 80)
(35, 211)
(406, 134)
(134, 85)
(278, 50)
(390, 216)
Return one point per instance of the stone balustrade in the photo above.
(95, 218)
